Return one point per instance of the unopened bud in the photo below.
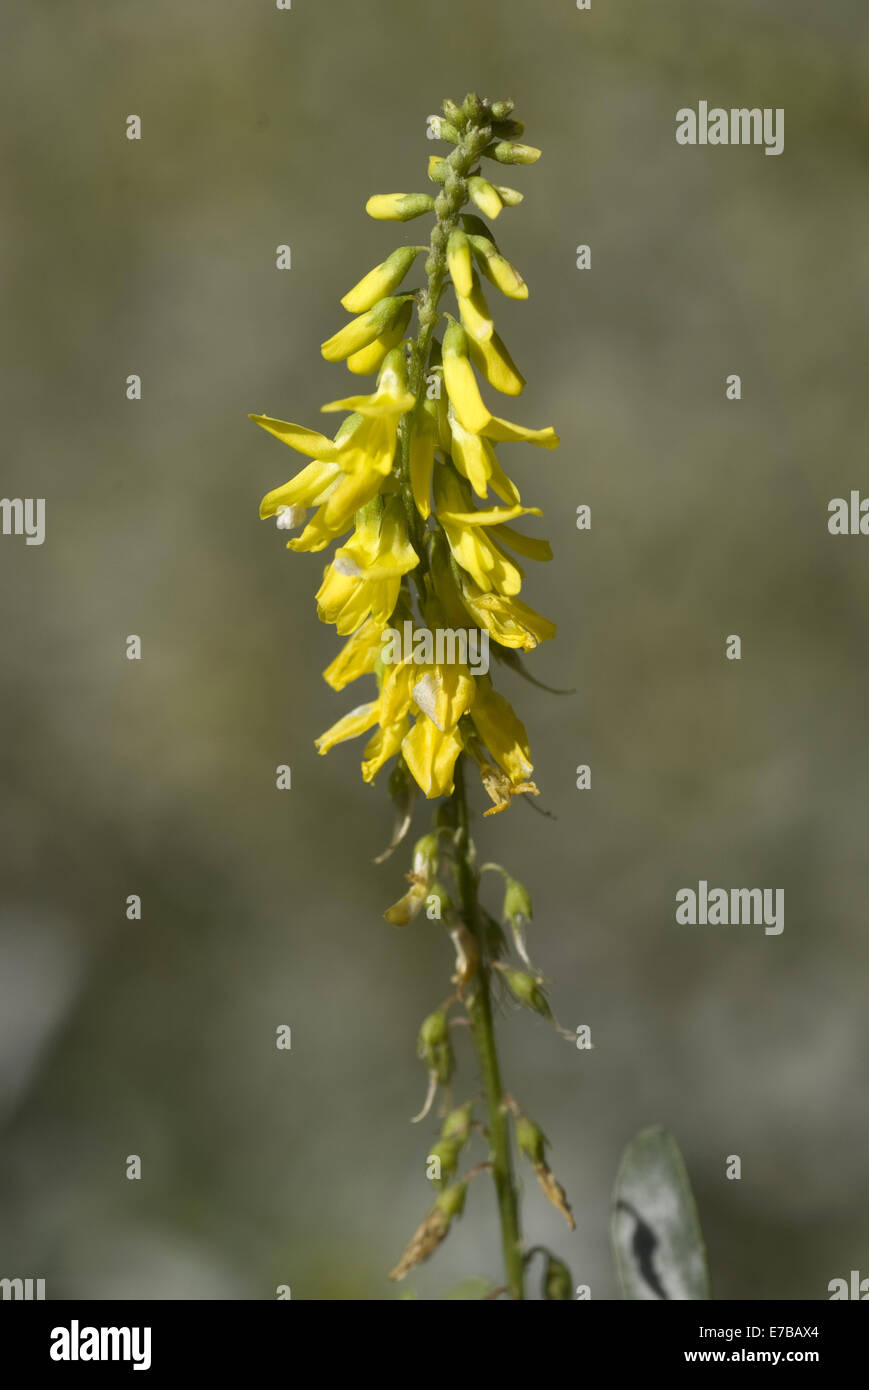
(398, 207)
(485, 196)
(508, 152)
(502, 109)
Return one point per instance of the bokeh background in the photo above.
(263, 127)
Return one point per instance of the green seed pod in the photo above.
(530, 1139)
(398, 207)
(457, 1125)
(435, 1046)
(446, 1151)
(508, 152)
(452, 1200)
(527, 990)
(557, 1283)
(425, 856)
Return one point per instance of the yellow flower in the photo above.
(466, 529)
(508, 620)
(431, 755)
(361, 331)
(503, 733)
(476, 460)
(368, 359)
(365, 576)
(349, 470)
(358, 656)
(389, 710)
(380, 281)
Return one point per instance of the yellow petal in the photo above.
(431, 756)
(460, 381)
(444, 693)
(485, 196)
(358, 657)
(307, 442)
(422, 447)
(301, 491)
(475, 314)
(490, 356)
(350, 726)
(369, 359)
(383, 746)
(459, 262)
(532, 547)
(504, 432)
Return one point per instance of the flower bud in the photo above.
(454, 113)
(557, 1283)
(369, 359)
(474, 108)
(485, 196)
(510, 197)
(528, 991)
(493, 265)
(459, 262)
(461, 383)
(449, 132)
(362, 331)
(380, 281)
(398, 207)
(438, 169)
(508, 130)
(508, 152)
(501, 109)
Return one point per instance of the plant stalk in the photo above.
(479, 1007)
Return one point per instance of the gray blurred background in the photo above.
(263, 127)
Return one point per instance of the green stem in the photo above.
(479, 1006)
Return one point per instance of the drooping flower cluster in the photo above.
(413, 474)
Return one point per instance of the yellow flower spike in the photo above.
(380, 281)
(361, 331)
(351, 725)
(431, 757)
(369, 359)
(422, 452)
(475, 313)
(510, 197)
(493, 361)
(460, 381)
(502, 731)
(487, 198)
(494, 266)
(459, 262)
(391, 397)
(476, 460)
(398, 207)
(358, 656)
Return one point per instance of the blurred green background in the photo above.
(263, 127)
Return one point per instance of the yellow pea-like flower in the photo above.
(380, 281)
(369, 359)
(361, 331)
(431, 754)
(460, 381)
(459, 261)
(486, 197)
(491, 358)
(475, 313)
(476, 460)
(398, 207)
